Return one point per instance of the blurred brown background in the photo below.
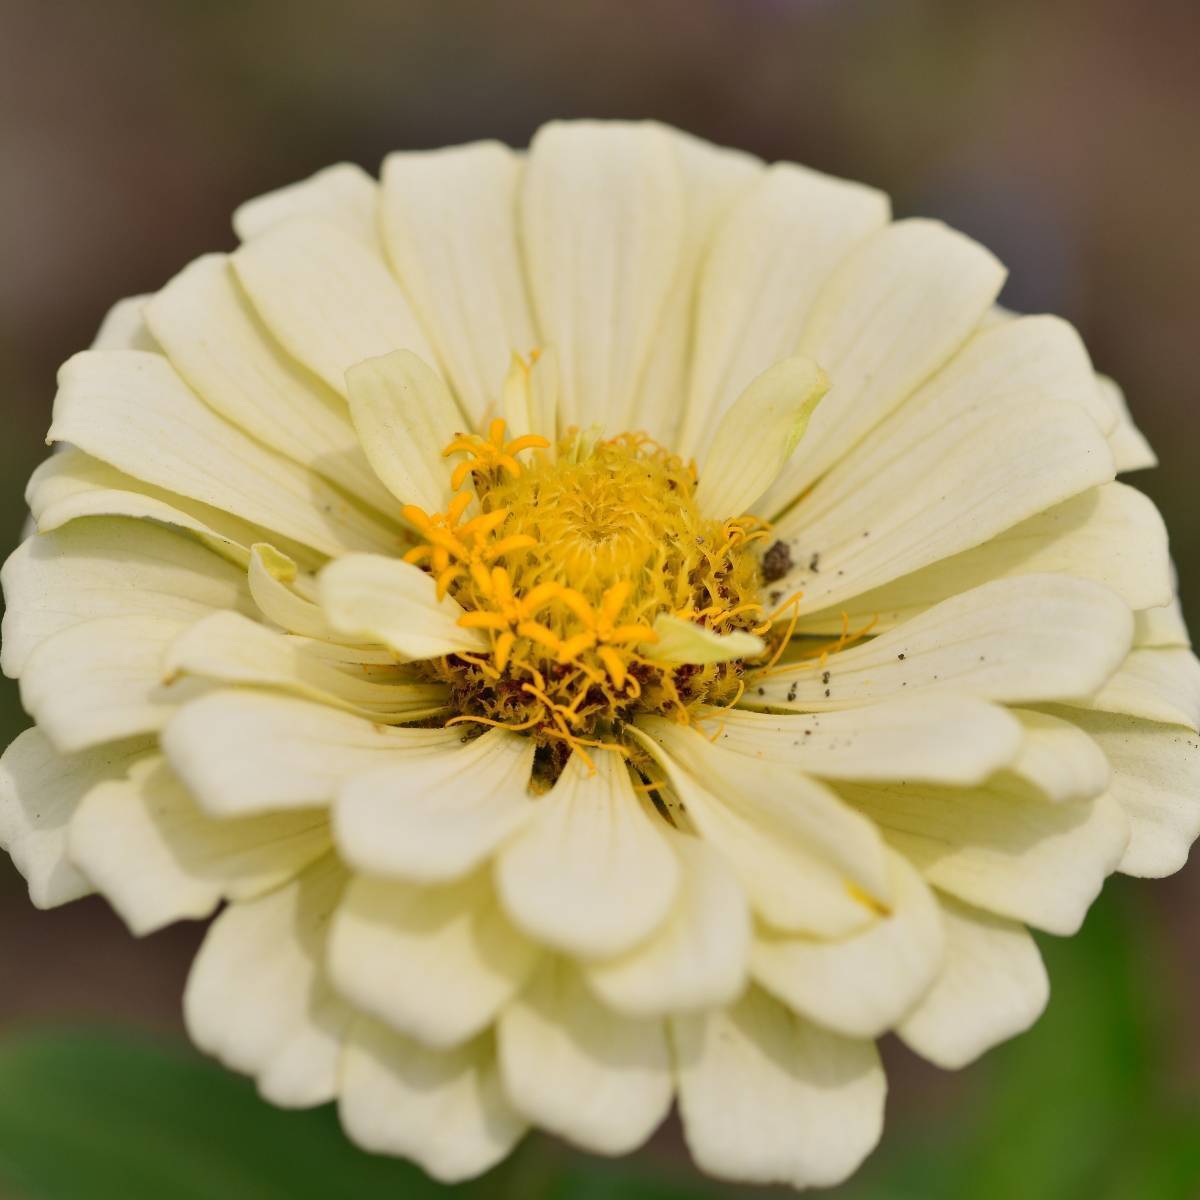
(1063, 135)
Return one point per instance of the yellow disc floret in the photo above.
(565, 561)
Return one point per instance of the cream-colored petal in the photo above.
(794, 846)
(279, 752)
(157, 858)
(40, 790)
(343, 195)
(591, 874)
(1161, 626)
(230, 648)
(757, 435)
(680, 641)
(441, 811)
(1111, 534)
(767, 1097)
(124, 328)
(70, 485)
(386, 600)
(445, 1109)
(602, 227)
(102, 567)
(218, 345)
(1014, 854)
(1157, 684)
(1130, 449)
(405, 417)
(327, 298)
(580, 1071)
(1156, 780)
(936, 738)
(713, 178)
(1037, 638)
(862, 985)
(102, 680)
(436, 963)
(531, 390)
(449, 223)
(133, 411)
(1058, 760)
(999, 435)
(281, 595)
(992, 986)
(769, 258)
(1094, 400)
(894, 312)
(258, 997)
(697, 959)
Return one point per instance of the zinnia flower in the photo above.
(612, 625)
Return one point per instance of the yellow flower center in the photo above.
(564, 562)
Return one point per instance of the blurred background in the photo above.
(1064, 136)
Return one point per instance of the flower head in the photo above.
(617, 626)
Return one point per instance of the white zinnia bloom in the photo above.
(395, 588)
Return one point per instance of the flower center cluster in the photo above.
(564, 563)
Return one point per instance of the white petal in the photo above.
(1058, 760)
(862, 985)
(1131, 451)
(933, 737)
(1161, 626)
(40, 791)
(793, 845)
(1011, 853)
(890, 316)
(697, 959)
(258, 997)
(102, 680)
(445, 1109)
(279, 751)
(385, 600)
(1156, 684)
(1110, 534)
(218, 345)
(591, 874)
(405, 417)
(769, 258)
(602, 232)
(449, 222)
(766, 1097)
(436, 963)
(992, 986)
(439, 812)
(531, 391)
(327, 298)
(133, 411)
(157, 858)
(343, 195)
(124, 329)
(680, 641)
(995, 437)
(1156, 780)
(600, 1080)
(757, 435)
(276, 586)
(102, 567)
(71, 484)
(713, 178)
(1037, 638)
(230, 648)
